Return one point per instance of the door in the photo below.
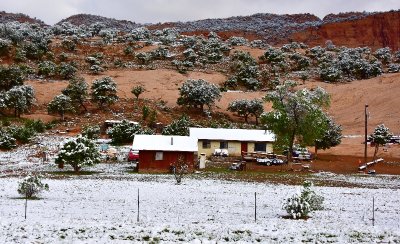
(244, 147)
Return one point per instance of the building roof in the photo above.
(165, 143)
(232, 134)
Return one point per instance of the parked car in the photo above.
(270, 161)
(133, 156)
(300, 153)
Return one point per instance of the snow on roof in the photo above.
(165, 143)
(231, 134)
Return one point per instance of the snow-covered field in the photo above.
(102, 210)
(102, 207)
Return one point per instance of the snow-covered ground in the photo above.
(102, 207)
(102, 210)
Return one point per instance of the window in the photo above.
(159, 156)
(260, 147)
(223, 145)
(206, 144)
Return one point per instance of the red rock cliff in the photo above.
(375, 31)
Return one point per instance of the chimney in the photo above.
(172, 140)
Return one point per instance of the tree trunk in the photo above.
(256, 120)
(83, 106)
(245, 118)
(62, 116)
(375, 152)
(76, 168)
(290, 155)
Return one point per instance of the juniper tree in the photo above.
(137, 90)
(380, 137)
(20, 99)
(77, 90)
(198, 93)
(179, 127)
(78, 152)
(31, 185)
(245, 108)
(104, 91)
(60, 104)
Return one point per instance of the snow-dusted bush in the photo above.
(60, 104)
(104, 91)
(77, 90)
(92, 60)
(137, 90)
(383, 54)
(78, 152)
(179, 127)
(67, 70)
(144, 58)
(140, 34)
(7, 141)
(316, 52)
(273, 55)
(161, 52)
(68, 44)
(198, 93)
(251, 83)
(396, 57)
(22, 134)
(31, 186)
(237, 41)
(300, 62)
(47, 68)
(11, 76)
(107, 36)
(20, 99)
(5, 46)
(124, 132)
(245, 108)
(393, 68)
(36, 125)
(257, 44)
(331, 73)
(96, 69)
(91, 131)
(380, 137)
(303, 203)
(231, 83)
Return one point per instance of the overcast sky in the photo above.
(153, 11)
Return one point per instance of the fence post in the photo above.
(26, 204)
(255, 206)
(373, 211)
(138, 205)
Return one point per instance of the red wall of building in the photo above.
(148, 162)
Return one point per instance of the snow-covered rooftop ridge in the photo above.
(165, 143)
(231, 134)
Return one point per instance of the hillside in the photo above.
(89, 19)
(19, 17)
(350, 29)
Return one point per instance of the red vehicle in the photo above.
(133, 156)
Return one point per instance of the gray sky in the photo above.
(153, 11)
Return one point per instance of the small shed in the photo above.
(235, 141)
(158, 152)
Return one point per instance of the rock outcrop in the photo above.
(375, 30)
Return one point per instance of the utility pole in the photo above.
(365, 135)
